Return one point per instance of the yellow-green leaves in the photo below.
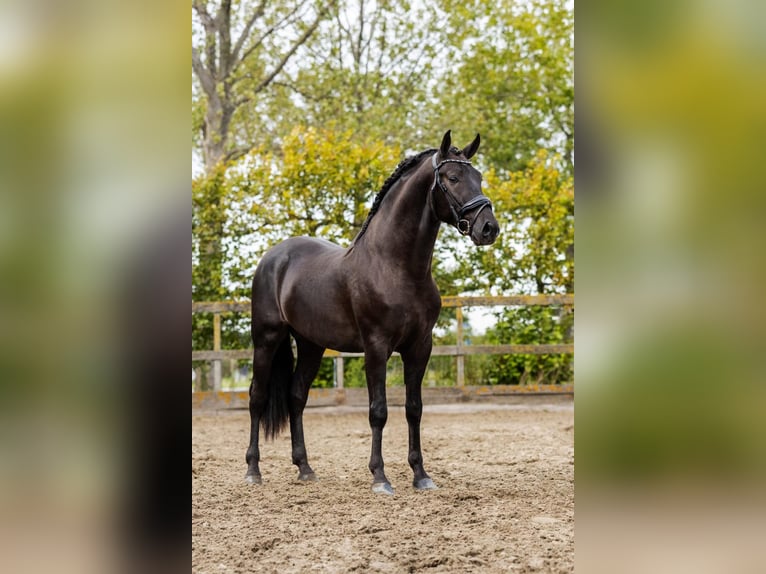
(534, 252)
(511, 78)
(325, 181)
(319, 183)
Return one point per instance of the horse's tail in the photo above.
(276, 411)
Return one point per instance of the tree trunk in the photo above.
(219, 62)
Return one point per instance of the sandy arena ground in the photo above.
(505, 502)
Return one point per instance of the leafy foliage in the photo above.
(513, 79)
(319, 183)
(301, 110)
(535, 209)
(368, 69)
(534, 252)
(529, 325)
(239, 50)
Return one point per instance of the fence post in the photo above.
(197, 380)
(338, 372)
(460, 356)
(216, 347)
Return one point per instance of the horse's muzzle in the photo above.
(486, 232)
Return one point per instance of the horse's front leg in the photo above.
(375, 369)
(415, 363)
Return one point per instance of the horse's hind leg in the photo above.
(263, 356)
(258, 397)
(309, 359)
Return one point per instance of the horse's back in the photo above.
(292, 258)
(297, 255)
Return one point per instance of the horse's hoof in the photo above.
(307, 477)
(382, 488)
(253, 479)
(425, 484)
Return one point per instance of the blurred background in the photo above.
(94, 176)
(301, 110)
(94, 260)
(669, 356)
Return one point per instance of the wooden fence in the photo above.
(459, 350)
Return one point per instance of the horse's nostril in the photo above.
(488, 229)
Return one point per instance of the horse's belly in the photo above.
(327, 328)
(331, 336)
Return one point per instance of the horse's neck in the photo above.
(404, 230)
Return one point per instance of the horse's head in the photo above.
(456, 193)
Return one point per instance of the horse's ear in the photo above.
(446, 142)
(472, 147)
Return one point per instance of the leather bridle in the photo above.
(458, 211)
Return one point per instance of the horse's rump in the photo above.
(302, 283)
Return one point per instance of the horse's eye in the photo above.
(452, 178)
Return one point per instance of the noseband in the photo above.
(458, 211)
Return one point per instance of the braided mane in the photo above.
(403, 166)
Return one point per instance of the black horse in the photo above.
(376, 296)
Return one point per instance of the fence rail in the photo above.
(459, 351)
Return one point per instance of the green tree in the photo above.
(534, 254)
(319, 183)
(238, 50)
(529, 325)
(369, 69)
(512, 79)
(300, 111)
